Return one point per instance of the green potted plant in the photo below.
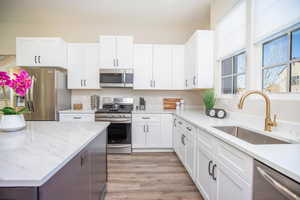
(209, 100)
(12, 118)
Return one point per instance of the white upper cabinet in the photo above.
(83, 66)
(159, 67)
(42, 52)
(162, 67)
(178, 67)
(199, 60)
(143, 59)
(116, 51)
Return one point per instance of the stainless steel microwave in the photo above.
(116, 78)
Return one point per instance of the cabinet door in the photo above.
(66, 183)
(91, 79)
(154, 134)
(124, 51)
(52, 52)
(181, 145)
(98, 160)
(203, 179)
(76, 66)
(167, 131)
(27, 51)
(178, 67)
(138, 134)
(143, 66)
(162, 67)
(228, 185)
(108, 51)
(190, 156)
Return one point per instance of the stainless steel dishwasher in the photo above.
(270, 184)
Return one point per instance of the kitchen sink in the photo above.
(249, 136)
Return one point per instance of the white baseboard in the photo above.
(153, 150)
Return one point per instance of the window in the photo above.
(233, 74)
(281, 64)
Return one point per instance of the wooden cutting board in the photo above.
(170, 103)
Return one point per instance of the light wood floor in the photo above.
(149, 176)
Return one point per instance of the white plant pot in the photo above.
(10, 123)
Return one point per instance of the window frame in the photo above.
(289, 62)
(233, 74)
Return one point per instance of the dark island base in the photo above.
(83, 177)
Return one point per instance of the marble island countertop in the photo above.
(282, 157)
(31, 156)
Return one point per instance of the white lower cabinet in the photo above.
(152, 131)
(220, 171)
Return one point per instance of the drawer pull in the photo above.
(213, 172)
(146, 118)
(180, 122)
(209, 166)
(188, 128)
(76, 117)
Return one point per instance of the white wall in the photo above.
(154, 99)
(287, 107)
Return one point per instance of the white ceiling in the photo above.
(136, 12)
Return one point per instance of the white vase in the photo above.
(11, 123)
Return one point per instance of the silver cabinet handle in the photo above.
(147, 128)
(186, 83)
(209, 166)
(117, 62)
(213, 172)
(76, 117)
(188, 128)
(81, 83)
(85, 82)
(174, 122)
(154, 83)
(35, 59)
(194, 80)
(278, 186)
(180, 122)
(144, 128)
(39, 58)
(146, 118)
(150, 83)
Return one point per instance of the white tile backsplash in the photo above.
(154, 99)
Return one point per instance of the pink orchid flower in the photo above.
(20, 83)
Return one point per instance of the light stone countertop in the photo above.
(31, 156)
(282, 157)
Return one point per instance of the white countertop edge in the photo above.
(38, 183)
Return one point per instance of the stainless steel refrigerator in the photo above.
(48, 94)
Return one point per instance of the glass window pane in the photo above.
(276, 51)
(239, 84)
(295, 78)
(227, 85)
(239, 63)
(227, 67)
(296, 44)
(276, 79)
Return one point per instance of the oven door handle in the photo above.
(118, 146)
(278, 186)
(113, 121)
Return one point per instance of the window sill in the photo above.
(284, 96)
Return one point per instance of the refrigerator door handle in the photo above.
(31, 95)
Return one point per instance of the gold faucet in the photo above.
(268, 121)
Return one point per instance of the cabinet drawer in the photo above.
(205, 139)
(77, 117)
(237, 161)
(146, 117)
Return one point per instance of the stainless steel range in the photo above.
(118, 112)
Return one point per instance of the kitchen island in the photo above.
(54, 160)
